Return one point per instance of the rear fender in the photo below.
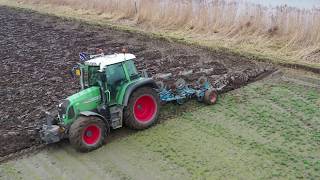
(141, 83)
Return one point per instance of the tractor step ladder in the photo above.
(116, 114)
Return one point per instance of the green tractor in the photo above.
(112, 94)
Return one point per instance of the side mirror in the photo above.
(71, 73)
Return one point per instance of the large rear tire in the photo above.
(87, 133)
(142, 110)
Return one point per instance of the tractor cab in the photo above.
(112, 72)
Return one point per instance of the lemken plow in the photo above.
(182, 92)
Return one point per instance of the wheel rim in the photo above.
(213, 97)
(145, 108)
(91, 134)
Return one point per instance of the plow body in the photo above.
(182, 91)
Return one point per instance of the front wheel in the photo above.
(87, 133)
(143, 108)
(210, 97)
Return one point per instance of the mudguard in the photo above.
(91, 113)
(132, 87)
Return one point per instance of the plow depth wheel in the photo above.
(210, 97)
(143, 108)
(87, 133)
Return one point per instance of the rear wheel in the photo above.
(143, 108)
(87, 133)
(210, 97)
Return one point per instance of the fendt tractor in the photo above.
(113, 93)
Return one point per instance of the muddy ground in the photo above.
(37, 51)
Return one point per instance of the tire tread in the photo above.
(76, 129)
(129, 118)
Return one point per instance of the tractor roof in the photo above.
(106, 60)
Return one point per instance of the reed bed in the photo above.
(286, 31)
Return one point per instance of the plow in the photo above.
(181, 92)
(114, 94)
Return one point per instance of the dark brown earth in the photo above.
(37, 51)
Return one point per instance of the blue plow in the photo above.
(183, 92)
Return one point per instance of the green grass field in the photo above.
(267, 130)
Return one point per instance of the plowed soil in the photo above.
(37, 51)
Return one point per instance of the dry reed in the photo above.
(284, 30)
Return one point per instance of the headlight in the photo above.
(62, 107)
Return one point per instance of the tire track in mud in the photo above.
(37, 51)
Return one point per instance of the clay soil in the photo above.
(37, 51)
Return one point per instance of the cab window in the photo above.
(132, 70)
(93, 75)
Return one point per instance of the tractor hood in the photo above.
(85, 97)
(85, 100)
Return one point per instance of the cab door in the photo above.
(116, 77)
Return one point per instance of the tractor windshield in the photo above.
(90, 76)
(93, 75)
